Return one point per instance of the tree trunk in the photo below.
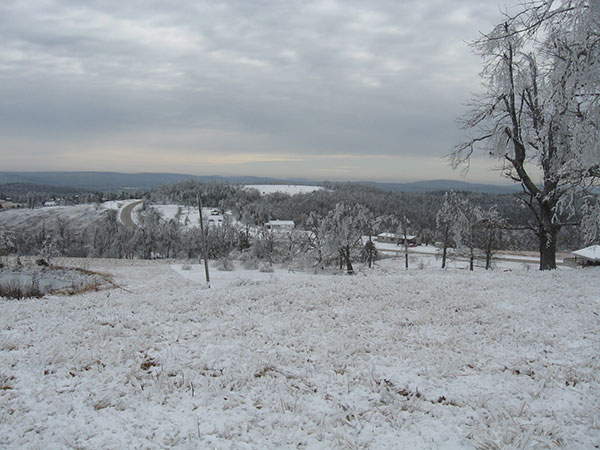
(548, 250)
(349, 268)
(547, 235)
(445, 248)
(444, 252)
(471, 260)
(488, 249)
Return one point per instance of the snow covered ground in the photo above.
(387, 358)
(188, 217)
(291, 189)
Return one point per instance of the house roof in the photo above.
(592, 253)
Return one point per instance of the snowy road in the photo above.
(126, 218)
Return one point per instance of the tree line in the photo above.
(330, 225)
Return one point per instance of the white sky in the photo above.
(319, 89)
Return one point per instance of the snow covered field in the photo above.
(77, 216)
(187, 216)
(384, 359)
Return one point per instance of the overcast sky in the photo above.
(349, 90)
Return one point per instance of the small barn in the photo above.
(589, 256)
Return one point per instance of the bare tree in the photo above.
(316, 237)
(489, 233)
(541, 108)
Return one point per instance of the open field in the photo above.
(386, 358)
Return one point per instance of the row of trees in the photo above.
(470, 228)
(334, 238)
(331, 232)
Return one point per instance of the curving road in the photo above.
(126, 218)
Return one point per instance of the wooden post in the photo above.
(204, 248)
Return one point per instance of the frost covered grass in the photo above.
(384, 359)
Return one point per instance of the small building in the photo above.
(389, 238)
(398, 239)
(589, 256)
(280, 225)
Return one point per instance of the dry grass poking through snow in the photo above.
(395, 359)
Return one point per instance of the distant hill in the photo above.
(130, 182)
(113, 181)
(446, 185)
(15, 189)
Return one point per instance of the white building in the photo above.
(589, 256)
(280, 225)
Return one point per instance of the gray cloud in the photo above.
(307, 77)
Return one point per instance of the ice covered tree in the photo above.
(344, 227)
(591, 219)
(467, 217)
(447, 221)
(6, 244)
(369, 252)
(539, 112)
(489, 233)
(148, 235)
(373, 225)
(315, 238)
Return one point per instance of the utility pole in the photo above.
(204, 248)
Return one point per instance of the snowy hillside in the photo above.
(384, 359)
(75, 217)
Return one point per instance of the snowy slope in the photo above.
(75, 217)
(384, 359)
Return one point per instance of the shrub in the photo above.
(266, 268)
(16, 290)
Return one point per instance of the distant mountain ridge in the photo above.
(114, 181)
(446, 185)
